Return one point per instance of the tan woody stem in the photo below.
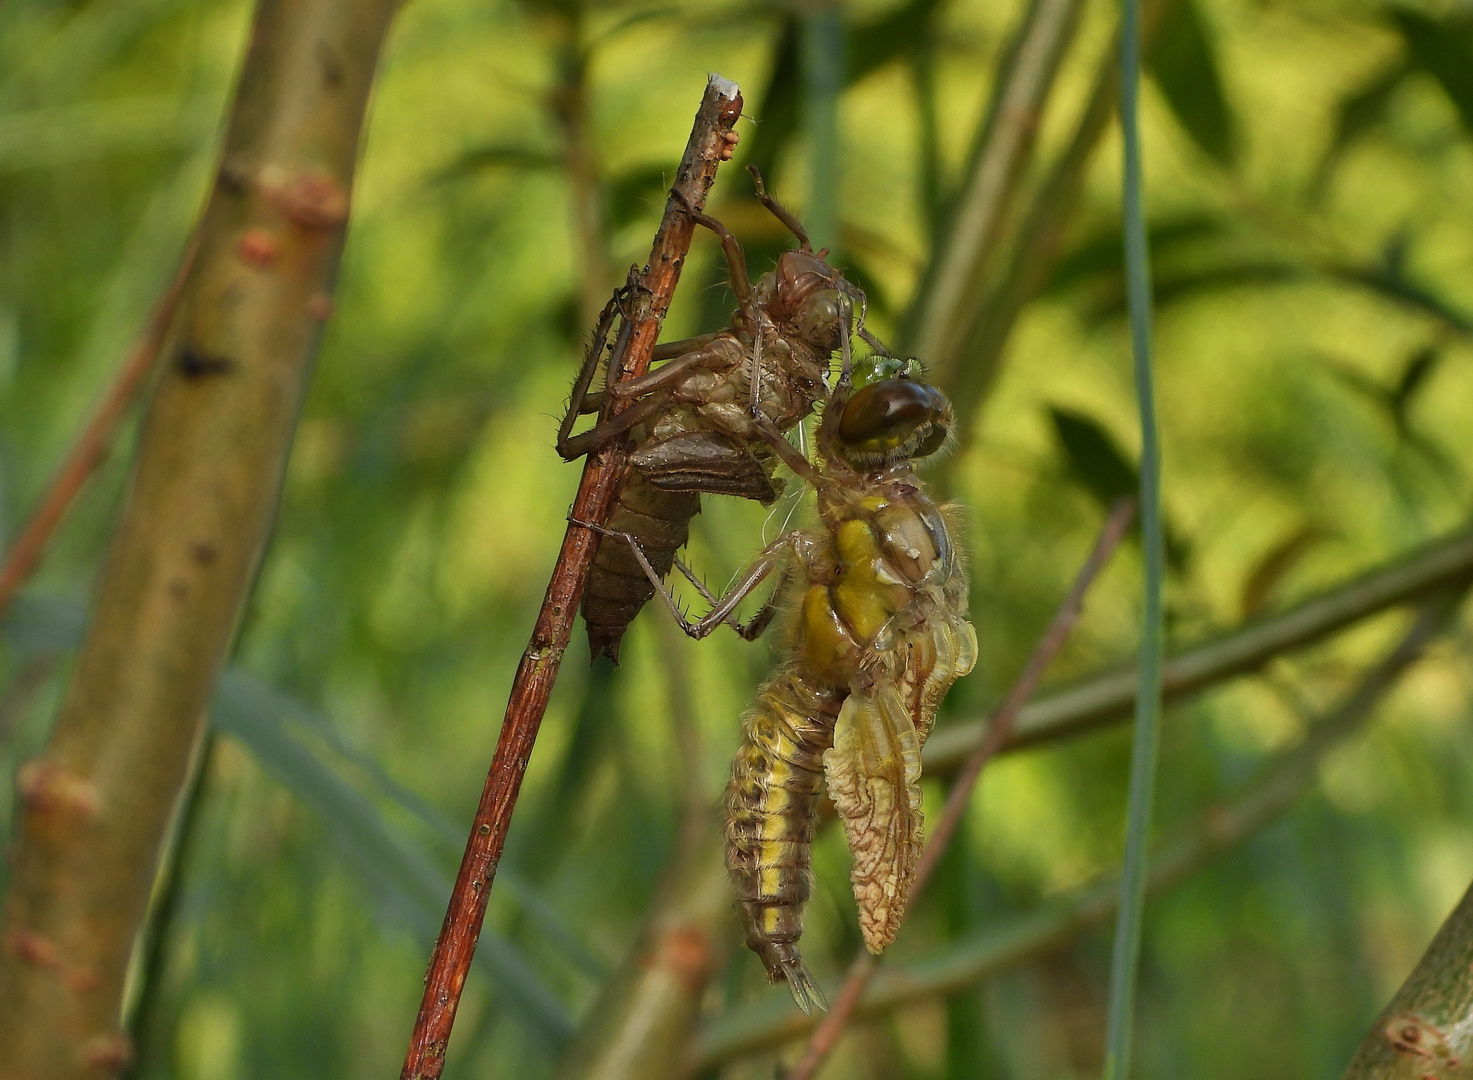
(238, 355)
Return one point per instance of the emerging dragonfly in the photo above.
(878, 635)
(693, 420)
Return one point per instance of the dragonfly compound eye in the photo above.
(895, 418)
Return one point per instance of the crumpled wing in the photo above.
(873, 772)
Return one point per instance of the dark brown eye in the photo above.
(887, 412)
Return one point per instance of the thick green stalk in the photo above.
(1033, 248)
(1427, 1029)
(237, 360)
(1146, 744)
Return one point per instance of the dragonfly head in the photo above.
(892, 418)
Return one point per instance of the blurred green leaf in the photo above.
(1183, 61)
(1263, 580)
(1096, 462)
(499, 156)
(1101, 254)
(1443, 49)
(72, 133)
(776, 114)
(637, 193)
(1360, 111)
(1419, 366)
(1094, 458)
(1390, 279)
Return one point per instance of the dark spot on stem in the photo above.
(330, 64)
(203, 552)
(194, 364)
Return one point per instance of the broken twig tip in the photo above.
(725, 87)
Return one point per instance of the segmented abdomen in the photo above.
(771, 808)
(617, 586)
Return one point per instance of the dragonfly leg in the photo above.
(754, 384)
(736, 261)
(781, 212)
(669, 350)
(575, 446)
(674, 371)
(801, 466)
(721, 610)
(581, 401)
(754, 627)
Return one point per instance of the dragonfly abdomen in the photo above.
(617, 585)
(771, 809)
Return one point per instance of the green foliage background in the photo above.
(1310, 188)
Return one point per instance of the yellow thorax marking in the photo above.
(863, 597)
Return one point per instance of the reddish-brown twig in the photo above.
(826, 1035)
(711, 142)
(92, 444)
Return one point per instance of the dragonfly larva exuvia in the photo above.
(691, 420)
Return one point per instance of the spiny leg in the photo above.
(754, 627)
(605, 430)
(736, 260)
(671, 373)
(781, 212)
(750, 578)
(579, 401)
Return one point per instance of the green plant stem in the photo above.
(772, 1022)
(1102, 699)
(1427, 1029)
(1145, 748)
(823, 79)
(968, 249)
(569, 101)
(640, 1024)
(205, 484)
(1034, 247)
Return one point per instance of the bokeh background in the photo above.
(1310, 195)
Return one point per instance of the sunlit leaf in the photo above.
(1098, 464)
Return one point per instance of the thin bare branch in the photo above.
(711, 142)
(204, 490)
(862, 969)
(91, 447)
(1105, 698)
(772, 1022)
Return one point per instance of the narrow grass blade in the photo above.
(1125, 960)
